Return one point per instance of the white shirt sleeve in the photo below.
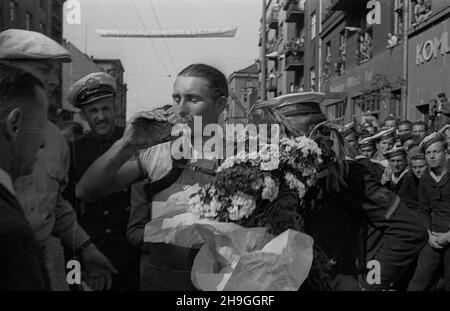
(156, 161)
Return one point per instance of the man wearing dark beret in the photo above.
(434, 209)
(396, 170)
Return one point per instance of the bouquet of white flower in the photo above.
(247, 182)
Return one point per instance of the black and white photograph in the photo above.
(247, 147)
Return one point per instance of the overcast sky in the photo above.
(149, 62)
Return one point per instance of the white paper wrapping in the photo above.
(233, 258)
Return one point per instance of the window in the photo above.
(312, 75)
(366, 105)
(12, 11)
(42, 4)
(421, 11)
(28, 21)
(336, 112)
(365, 45)
(313, 25)
(42, 28)
(398, 18)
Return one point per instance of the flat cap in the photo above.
(396, 152)
(431, 139)
(415, 154)
(300, 104)
(367, 141)
(444, 128)
(348, 129)
(384, 134)
(24, 44)
(95, 86)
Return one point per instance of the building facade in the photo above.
(44, 16)
(365, 69)
(429, 60)
(243, 88)
(115, 68)
(357, 59)
(381, 71)
(285, 47)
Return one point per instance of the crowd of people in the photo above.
(97, 191)
(412, 161)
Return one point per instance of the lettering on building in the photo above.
(432, 48)
(374, 15)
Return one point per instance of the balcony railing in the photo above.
(273, 18)
(294, 13)
(295, 46)
(294, 62)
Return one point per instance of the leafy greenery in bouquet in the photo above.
(247, 183)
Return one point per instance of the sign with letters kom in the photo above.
(432, 48)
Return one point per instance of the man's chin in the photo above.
(102, 131)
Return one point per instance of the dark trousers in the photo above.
(427, 267)
(166, 267)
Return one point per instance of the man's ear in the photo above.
(221, 104)
(14, 123)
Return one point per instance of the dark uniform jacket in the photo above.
(408, 191)
(106, 219)
(434, 202)
(22, 267)
(342, 223)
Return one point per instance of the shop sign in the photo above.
(432, 48)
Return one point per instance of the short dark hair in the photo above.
(217, 80)
(390, 118)
(16, 87)
(405, 122)
(420, 123)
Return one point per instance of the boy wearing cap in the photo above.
(434, 209)
(104, 220)
(366, 151)
(396, 170)
(350, 134)
(40, 192)
(384, 141)
(409, 188)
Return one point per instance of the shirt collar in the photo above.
(438, 178)
(6, 181)
(395, 180)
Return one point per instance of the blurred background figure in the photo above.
(390, 122)
(404, 127)
(23, 107)
(419, 128)
(71, 130)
